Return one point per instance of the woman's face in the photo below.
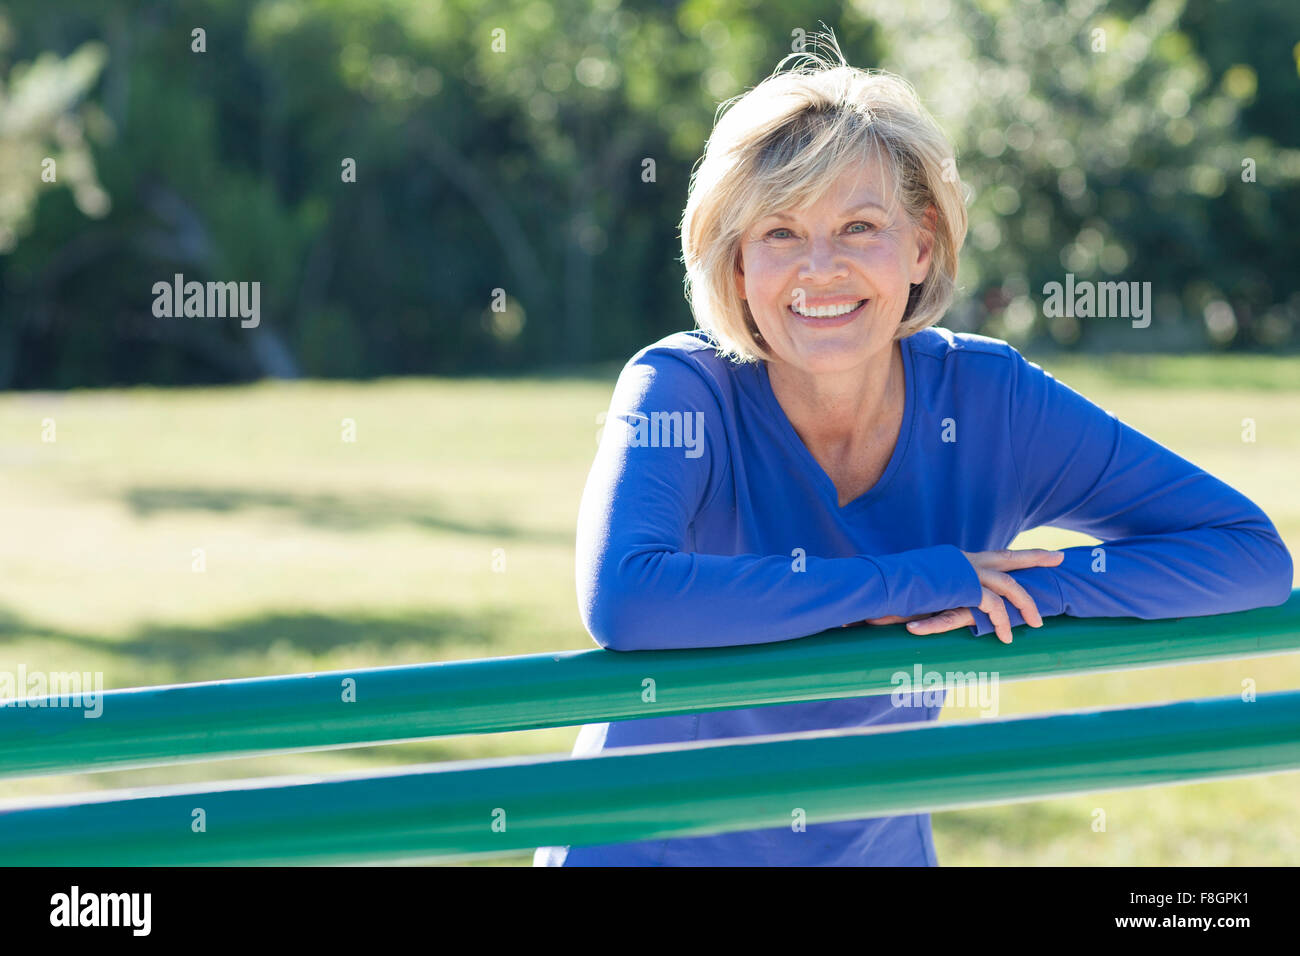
(847, 248)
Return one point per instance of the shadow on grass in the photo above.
(331, 512)
(218, 652)
(1014, 824)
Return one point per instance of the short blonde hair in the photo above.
(779, 146)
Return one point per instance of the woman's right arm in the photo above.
(637, 588)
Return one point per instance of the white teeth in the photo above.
(828, 311)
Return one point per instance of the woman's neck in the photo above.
(836, 413)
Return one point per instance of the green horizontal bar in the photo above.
(185, 722)
(492, 807)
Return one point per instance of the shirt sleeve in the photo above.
(640, 588)
(1176, 541)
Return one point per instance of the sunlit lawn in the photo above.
(323, 554)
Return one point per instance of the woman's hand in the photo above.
(996, 584)
(992, 568)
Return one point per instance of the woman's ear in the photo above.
(925, 239)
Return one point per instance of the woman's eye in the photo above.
(869, 227)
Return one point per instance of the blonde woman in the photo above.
(819, 453)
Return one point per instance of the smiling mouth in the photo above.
(828, 321)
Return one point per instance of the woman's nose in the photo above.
(824, 260)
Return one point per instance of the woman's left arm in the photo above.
(1176, 541)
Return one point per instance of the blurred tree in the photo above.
(509, 144)
(1103, 146)
(43, 126)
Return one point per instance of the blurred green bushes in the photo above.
(503, 146)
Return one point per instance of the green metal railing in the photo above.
(450, 811)
(186, 722)
(438, 811)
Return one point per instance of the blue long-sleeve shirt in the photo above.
(706, 522)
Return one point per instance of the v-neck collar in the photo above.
(829, 492)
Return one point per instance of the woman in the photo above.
(819, 453)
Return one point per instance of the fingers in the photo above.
(991, 567)
(1040, 557)
(1008, 560)
(997, 611)
(944, 621)
(1006, 586)
(995, 585)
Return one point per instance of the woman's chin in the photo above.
(824, 356)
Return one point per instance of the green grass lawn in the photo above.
(323, 554)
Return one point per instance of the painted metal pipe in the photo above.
(186, 722)
(451, 811)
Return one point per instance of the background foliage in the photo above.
(521, 170)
